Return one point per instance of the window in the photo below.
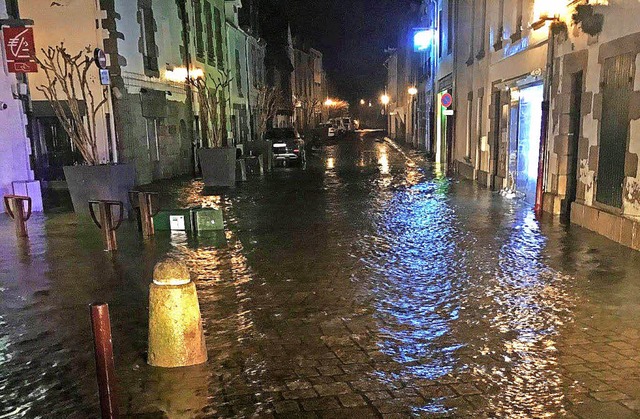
(497, 45)
(147, 26)
(517, 33)
(472, 42)
(483, 30)
(208, 16)
(197, 15)
(12, 9)
(219, 39)
(152, 139)
(238, 73)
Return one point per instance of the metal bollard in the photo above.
(14, 205)
(103, 345)
(106, 221)
(176, 337)
(147, 210)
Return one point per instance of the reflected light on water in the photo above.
(331, 163)
(383, 162)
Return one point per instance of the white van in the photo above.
(346, 124)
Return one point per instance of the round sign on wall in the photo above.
(100, 58)
(446, 100)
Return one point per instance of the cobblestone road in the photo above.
(367, 285)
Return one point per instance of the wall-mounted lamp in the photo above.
(422, 39)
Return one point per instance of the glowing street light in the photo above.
(422, 39)
(329, 102)
(180, 74)
(362, 102)
(413, 91)
(385, 99)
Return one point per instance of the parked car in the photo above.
(287, 145)
(330, 129)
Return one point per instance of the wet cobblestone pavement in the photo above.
(366, 285)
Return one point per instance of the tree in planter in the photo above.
(68, 83)
(266, 107)
(213, 103)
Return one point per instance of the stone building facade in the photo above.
(152, 117)
(576, 62)
(594, 141)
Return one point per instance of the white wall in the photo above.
(14, 144)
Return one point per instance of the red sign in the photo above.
(20, 49)
(447, 100)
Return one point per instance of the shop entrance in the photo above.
(524, 141)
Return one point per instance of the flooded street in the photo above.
(365, 285)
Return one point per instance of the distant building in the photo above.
(308, 86)
(279, 59)
(238, 53)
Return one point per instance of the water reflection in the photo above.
(369, 272)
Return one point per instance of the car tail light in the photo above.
(295, 150)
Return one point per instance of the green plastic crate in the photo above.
(208, 219)
(173, 220)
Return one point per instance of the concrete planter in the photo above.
(218, 166)
(107, 181)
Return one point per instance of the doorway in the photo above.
(54, 150)
(575, 116)
(614, 128)
(524, 141)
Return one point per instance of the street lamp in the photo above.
(385, 99)
(413, 91)
(362, 102)
(329, 103)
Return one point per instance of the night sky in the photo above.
(352, 35)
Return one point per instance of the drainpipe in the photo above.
(246, 62)
(189, 92)
(544, 135)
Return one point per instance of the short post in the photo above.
(14, 205)
(147, 210)
(106, 222)
(176, 336)
(103, 345)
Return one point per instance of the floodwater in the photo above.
(367, 284)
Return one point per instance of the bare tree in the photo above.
(266, 106)
(213, 103)
(68, 83)
(310, 107)
(338, 108)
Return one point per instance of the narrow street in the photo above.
(366, 285)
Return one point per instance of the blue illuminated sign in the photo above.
(422, 39)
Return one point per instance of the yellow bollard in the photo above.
(176, 337)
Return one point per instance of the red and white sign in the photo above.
(447, 100)
(20, 49)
